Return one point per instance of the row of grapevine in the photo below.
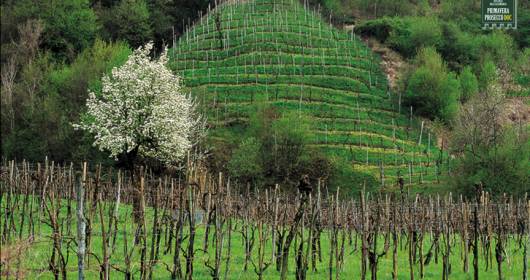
(201, 226)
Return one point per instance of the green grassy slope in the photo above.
(246, 53)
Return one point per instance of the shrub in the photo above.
(488, 74)
(276, 151)
(497, 46)
(468, 84)
(246, 164)
(379, 28)
(465, 12)
(493, 154)
(522, 33)
(67, 92)
(499, 170)
(458, 48)
(418, 32)
(128, 21)
(69, 25)
(523, 75)
(430, 89)
(60, 93)
(405, 35)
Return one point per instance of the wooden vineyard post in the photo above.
(248, 230)
(190, 251)
(429, 147)
(81, 225)
(394, 240)
(382, 172)
(176, 271)
(475, 236)
(437, 171)
(332, 239)
(42, 176)
(410, 173)
(71, 186)
(208, 215)
(334, 235)
(155, 231)
(421, 133)
(104, 267)
(499, 246)
(115, 214)
(446, 266)
(275, 220)
(364, 230)
(6, 214)
(412, 238)
(421, 171)
(315, 246)
(526, 232)
(421, 235)
(143, 230)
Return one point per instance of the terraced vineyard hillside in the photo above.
(245, 53)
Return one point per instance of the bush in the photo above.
(523, 75)
(404, 35)
(22, 135)
(379, 28)
(430, 89)
(503, 169)
(468, 84)
(492, 154)
(374, 9)
(276, 151)
(458, 48)
(246, 164)
(488, 74)
(69, 25)
(465, 12)
(497, 46)
(522, 33)
(60, 95)
(128, 21)
(417, 33)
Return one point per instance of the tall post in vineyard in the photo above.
(364, 249)
(526, 232)
(394, 240)
(81, 225)
(475, 241)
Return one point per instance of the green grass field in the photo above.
(244, 54)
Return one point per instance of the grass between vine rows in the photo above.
(32, 262)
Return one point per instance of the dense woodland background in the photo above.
(53, 51)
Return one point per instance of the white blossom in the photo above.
(141, 106)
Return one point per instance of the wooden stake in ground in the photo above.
(81, 225)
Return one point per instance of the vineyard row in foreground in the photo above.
(104, 224)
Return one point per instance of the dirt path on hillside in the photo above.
(392, 63)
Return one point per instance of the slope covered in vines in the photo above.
(244, 54)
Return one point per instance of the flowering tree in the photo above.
(142, 112)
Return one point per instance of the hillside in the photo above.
(243, 54)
